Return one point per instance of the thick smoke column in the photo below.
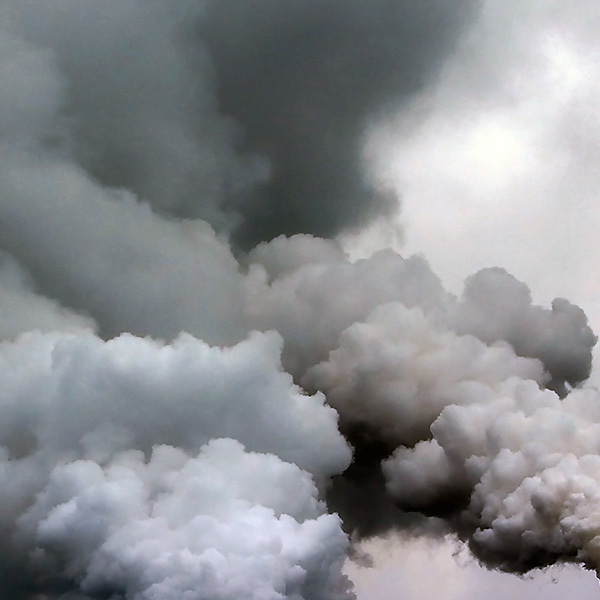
(208, 459)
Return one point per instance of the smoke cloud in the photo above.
(303, 79)
(181, 418)
(103, 495)
(257, 109)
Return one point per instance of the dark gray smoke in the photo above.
(175, 421)
(304, 78)
(250, 114)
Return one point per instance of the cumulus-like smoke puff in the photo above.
(410, 367)
(397, 371)
(109, 486)
(527, 465)
(496, 306)
(136, 140)
(223, 524)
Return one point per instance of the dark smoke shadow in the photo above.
(304, 79)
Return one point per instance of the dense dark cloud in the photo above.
(155, 467)
(304, 78)
(256, 109)
(135, 104)
(23, 309)
(102, 251)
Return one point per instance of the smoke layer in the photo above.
(249, 108)
(155, 442)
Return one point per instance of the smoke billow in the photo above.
(257, 108)
(179, 418)
(303, 79)
(110, 475)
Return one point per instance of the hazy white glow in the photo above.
(419, 569)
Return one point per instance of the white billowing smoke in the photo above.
(396, 371)
(310, 302)
(190, 463)
(225, 523)
(528, 463)
(496, 306)
(110, 480)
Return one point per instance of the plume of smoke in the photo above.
(95, 248)
(292, 85)
(304, 78)
(408, 366)
(223, 524)
(395, 372)
(196, 466)
(496, 306)
(311, 302)
(527, 464)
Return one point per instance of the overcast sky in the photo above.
(418, 570)
(496, 163)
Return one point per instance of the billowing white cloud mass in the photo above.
(223, 524)
(109, 471)
(201, 395)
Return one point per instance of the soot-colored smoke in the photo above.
(303, 79)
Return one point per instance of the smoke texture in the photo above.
(303, 79)
(257, 109)
(183, 419)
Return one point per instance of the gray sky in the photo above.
(496, 162)
(417, 570)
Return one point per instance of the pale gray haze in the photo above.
(228, 368)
